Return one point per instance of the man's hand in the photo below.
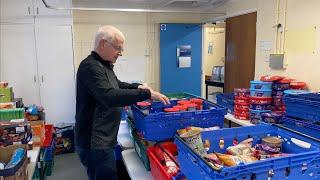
(160, 97)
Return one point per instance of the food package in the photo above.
(240, 149)
(212, 157)
(248, 158)
(265, 149)
(229, 160)
(8, 105)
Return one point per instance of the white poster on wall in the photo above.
(130, 69)
(184, 62)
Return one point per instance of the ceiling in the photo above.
(205, 6)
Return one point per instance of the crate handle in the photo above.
(301, 143)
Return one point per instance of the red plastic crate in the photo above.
(157, 170)
(49, 130)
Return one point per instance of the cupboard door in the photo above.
(18, 61)
(16, 11)
(42, 11)
(56, 72)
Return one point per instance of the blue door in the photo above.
(184, 78)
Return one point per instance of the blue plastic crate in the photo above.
(124, 114)
(159, 126)
(305, 127)
(49, 152)
(304, 106)
(226, 100)
(302, 164)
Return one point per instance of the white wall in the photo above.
(301, 16)
(141, 31)
(216, 35)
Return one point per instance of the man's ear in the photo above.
(102, 44)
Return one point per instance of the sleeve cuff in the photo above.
(145, 94)
(135, 85)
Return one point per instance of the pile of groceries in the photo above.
(243, 152)
(264, 101)
(182, 105)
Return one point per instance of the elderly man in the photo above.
(100, 96)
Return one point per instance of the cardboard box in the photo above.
(6, 94)
(20, 171)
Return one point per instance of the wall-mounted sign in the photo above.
(184, 56)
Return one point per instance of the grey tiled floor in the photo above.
(68, 167)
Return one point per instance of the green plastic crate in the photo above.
(46, 166)
(49, 168)
(36, 174)
(141, 150)
(6, 95)
(130, 127)
(181, 95)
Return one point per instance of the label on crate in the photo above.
(20, 129)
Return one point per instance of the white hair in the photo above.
(108, 33)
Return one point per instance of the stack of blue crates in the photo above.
(226, 100)
(303, 113)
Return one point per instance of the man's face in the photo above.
(111, 51)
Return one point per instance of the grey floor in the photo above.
(68, 166)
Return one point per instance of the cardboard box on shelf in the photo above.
(6, 94)
(19, 171)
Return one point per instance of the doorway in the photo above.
(213, 59)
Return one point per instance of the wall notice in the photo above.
(300, 40)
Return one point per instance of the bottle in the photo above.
(172, 168)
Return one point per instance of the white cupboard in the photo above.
(41, 10)
(56, 72)
(18, 61)
(37, 57)
(16, 11)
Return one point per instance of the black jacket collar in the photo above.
(97, 57)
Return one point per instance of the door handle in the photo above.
(37, 11)
(35, 78)
(42, 79)
(29, 10)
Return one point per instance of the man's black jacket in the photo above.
(100, 96)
